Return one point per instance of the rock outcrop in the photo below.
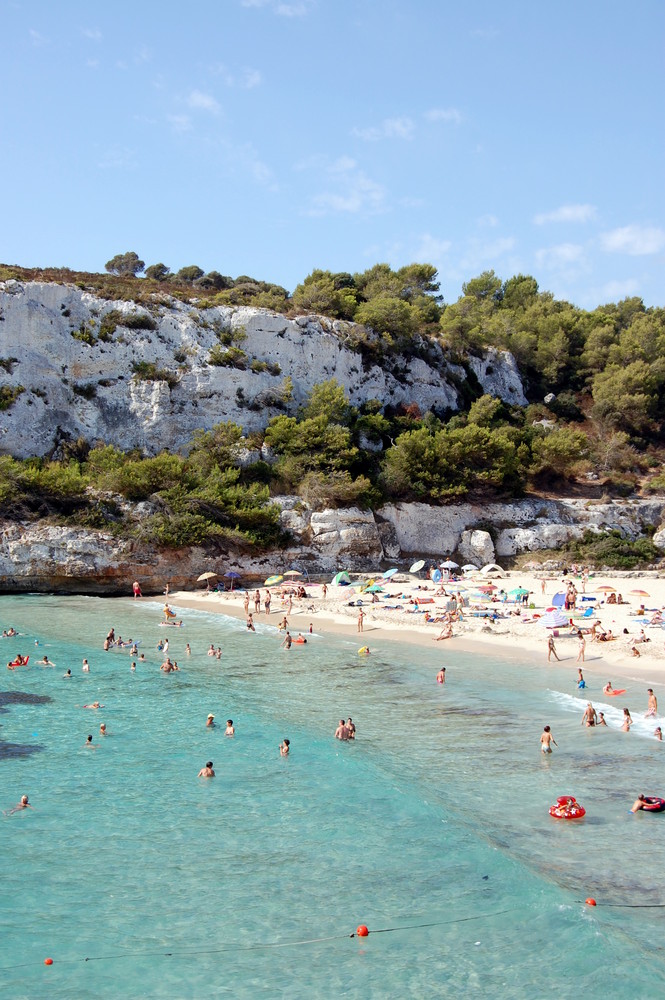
(75, 356)
(46, 557)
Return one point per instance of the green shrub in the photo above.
(147, 371)
(9, 394)
(230, 357)
(88, 390)
(613, 550)
(85, 335)
(8, 364)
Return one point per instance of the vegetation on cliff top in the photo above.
(605, 369)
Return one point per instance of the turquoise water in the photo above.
(434, 822)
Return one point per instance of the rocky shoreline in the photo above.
(44, 557)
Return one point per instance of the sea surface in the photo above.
(141, 880)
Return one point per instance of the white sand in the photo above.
(509, 636)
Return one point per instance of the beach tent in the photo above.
(341, 579)
(559, 599)
(492, 570)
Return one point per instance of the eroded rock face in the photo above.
(659, 539)
(476, 547)
(48, 557)
(79, 382)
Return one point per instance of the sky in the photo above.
(272, 137)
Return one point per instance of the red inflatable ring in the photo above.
(653, 804)
(567, 807)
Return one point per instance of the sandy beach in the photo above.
(395, 616)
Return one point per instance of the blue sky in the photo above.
(271, 137)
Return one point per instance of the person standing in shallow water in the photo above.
(546, 740)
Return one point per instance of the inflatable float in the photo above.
(21, 661)
(653, 804)
(363, 651)
(171, 625)
(567, 807)
(614, 692)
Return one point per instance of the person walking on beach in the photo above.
(590, 717)
(361, 619)
(207, 771)
(257, 602)
(627, 721)
(136, 587)
(267, 600)
(551, 649)
(546, 740)
(652, 707)
(581, 648)
(245, 603)
(542, 587)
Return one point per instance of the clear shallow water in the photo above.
(437, 815)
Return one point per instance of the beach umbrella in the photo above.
(519, 591)
(389, 573)
(449, 564)
(341, 579)
(639, 593)
(232, 576)
(417, 566)
(605, 590)
(469, 568)
(292, 572)
(272, 580)
(553, 619)
(375, 589)
(205, 576)
(487, 586)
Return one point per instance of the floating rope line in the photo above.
(257, 947)
(626, 906)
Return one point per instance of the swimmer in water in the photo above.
(608, 689)
(229, 731)
(658, 733)
(86, 667)
(23, 804)
(590, 717)
(45, 662)
(284, 747)
(207, 771)
(601, 719)
(133, 666)
(102, 729)
(351, 728)
(90, 744)
(639, 803)
(546, 740)
(95, 704)
(188, 650)
(67, 674)
(210, 722)
(441, 676)
(342, 733)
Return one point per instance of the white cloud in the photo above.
(487, 221)
(92, 63)
(38, 39)
(351, 192)
(444, 115)
(94, 34)
(431, 249)
(633, 240)
(561, 255)
(117, 158)
(245, 78)
(566, 213)
(203, 102)
(481, 252)
(390, 128)
(180, 123)
(614, 291)
(298, 9)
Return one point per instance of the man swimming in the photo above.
(23, 804)
(207, 771)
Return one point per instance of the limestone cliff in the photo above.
(75, 354)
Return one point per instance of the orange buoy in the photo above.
(362, 931)
(590, 902)
(48, 961)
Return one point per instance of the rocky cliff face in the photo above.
(47, 557)
(74, 355)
